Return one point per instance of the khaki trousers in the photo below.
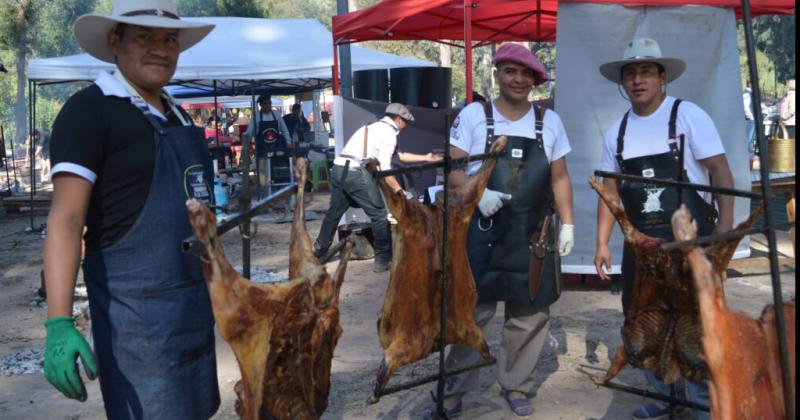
(524, 333)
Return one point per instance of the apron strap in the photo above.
(539, 124)
(366, 141)
(673, 118)
(621, 139)
(487, 110)
(143, 106)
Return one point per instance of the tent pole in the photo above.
(216, 119)
(468, 47)
(5, 159)
(335, 70)
(769, 217)
(538, 20)
(342, 8)
(31, 160)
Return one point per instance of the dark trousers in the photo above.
(358, 190)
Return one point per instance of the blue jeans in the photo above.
(751, 136)
(697, 393)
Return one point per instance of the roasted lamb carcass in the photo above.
(662, 327)
(409, 322)
(742, 353)
(283, 334)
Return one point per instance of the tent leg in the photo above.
(468, 47)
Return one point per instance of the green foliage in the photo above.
(8, 91)
(321, 10)
(240, 8)
(16, 18)
(196, 7)
(775, 53)
(54, 27)
(776, 38)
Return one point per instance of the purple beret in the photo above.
(518, 54)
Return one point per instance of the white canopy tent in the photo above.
(284, 55)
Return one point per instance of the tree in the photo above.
(196, 7)
(54, 35)
(240, 8)
(775, 36)
(17, 20)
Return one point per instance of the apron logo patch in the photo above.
(270, 135)
(653, 203)
(516, 153)
(648, 173)
(195, 184)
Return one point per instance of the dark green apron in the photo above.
(499, 247)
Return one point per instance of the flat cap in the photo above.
(401, 110)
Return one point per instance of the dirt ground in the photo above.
(585, 330)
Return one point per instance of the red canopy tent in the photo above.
(485, 21)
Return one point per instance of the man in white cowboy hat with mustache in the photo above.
(125, 159)
(646, 142)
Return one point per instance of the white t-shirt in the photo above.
(381, 144)
(468, 132)
(649, 135)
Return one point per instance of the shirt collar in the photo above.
(390, 121)
(110, 86)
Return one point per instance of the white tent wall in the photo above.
(592, 34)
(292, 51)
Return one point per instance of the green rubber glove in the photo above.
(63, 346)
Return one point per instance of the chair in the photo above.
(320, 176)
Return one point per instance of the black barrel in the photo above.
(371, 84)
(428, 87)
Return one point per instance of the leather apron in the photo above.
(650, 208)
(499, 247)
(152, 323)
(273, 146)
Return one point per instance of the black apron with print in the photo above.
(650, 208)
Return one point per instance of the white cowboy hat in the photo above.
(643, 50)
(92, 30)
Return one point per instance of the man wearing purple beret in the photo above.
(529, 185)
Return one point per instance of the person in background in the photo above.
(372, 141)
(43, 151)
(125, 160)
(297, 124)
(788, 109)
(750, 123)
(645, 142)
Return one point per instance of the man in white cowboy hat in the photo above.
(125, 159)
(646, 142)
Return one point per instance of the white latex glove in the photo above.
(566, 239)
(491, 202)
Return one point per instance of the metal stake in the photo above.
(244, 200)
(766, 190)
(687, 185)
(443, 312)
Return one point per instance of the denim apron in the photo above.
(499, 247)
(649, 208)
(151, 314)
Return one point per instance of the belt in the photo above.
(355, 164)
(356, 168)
